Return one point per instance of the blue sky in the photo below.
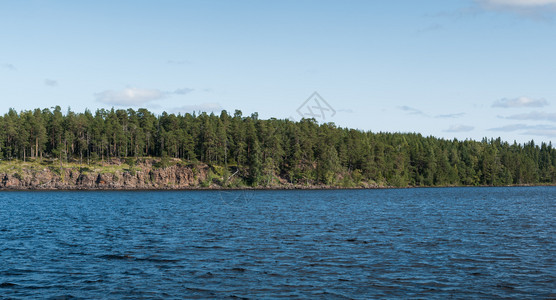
(461, 68)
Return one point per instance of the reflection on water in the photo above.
(423, 243)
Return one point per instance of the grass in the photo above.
(17, 166)
(14, 166)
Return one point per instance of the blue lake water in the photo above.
(406, 243)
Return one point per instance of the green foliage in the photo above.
(131, 161)
(163, 163)
(84, 170)
(357, 176)
(211, 177)
(264, 151)
(347, 182)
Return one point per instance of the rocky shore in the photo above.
(142, 176)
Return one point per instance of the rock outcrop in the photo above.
(142, 176)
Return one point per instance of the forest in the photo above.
(264, 151)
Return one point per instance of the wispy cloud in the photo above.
(459, 128)
(136, 96)
(183, 91)
(541, 132)
(516, 127)
(509, 128)
(411, 110)
(520, 3)
(203, 107)
(51, 82)
(520, 102)
(536, 9)
(414, 111)
(10, 67)
(534, 115)
(430, 28)
(538, 130)
(129, 96)
(450, 116)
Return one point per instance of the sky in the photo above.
(464, 69)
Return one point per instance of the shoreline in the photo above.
(295, 188)
(151, 174)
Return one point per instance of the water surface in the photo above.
(408, 243)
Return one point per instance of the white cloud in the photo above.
(414, 111)
(450, 116)
(129, 96)
(204, 107)
(51, 82)
(136, 96)
(520, 102)
(459, 128)
(535, 9)
(534, 115)
(520, 3)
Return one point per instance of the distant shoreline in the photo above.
(296, 188)
(155, 174)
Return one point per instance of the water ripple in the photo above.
(417, 243)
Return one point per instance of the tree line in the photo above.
(264, 150)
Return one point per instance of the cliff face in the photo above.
(144, 176)
(138, 174)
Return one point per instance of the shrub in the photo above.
(131, 161)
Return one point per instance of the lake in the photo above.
(334, 244)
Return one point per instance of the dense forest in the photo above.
(301, 152)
